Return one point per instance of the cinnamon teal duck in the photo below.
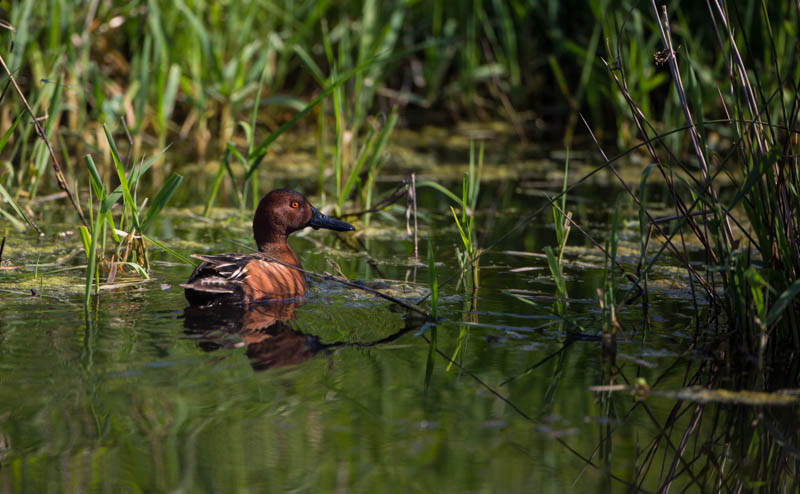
(269, 273)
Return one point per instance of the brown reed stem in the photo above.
(62, 181)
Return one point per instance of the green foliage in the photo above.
(133, 239)
(738, 201)
(468, 258)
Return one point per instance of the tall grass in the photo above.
(739, 203)
(129, 231)
(194, 72)
(468, 258)
(562, 223)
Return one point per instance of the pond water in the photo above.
(347, 391)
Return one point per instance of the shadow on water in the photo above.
(265, 330)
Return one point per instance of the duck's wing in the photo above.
(218, 279)
(240, 278)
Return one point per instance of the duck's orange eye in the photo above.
(295, 204)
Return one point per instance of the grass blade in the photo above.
(784, 301)
(4, 193)
(173, 253)
(162, 198)
(123, 179)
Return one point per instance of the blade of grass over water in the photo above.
(15, 207)
(177, 255)
(162, 198)
(130, 204)
(91, 266)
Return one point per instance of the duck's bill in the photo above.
(319, 220)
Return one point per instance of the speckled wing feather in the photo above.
(218, 279)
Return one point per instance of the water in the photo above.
(347, 391)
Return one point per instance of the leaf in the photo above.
(353, 176)
(782, 303)
(433, 281)
(137, 267)
(170, 251)
(214, 189)
(464, 239)
(7, 134)
(17, 223)
(123, 179)
(434, 185)
(94, 177)
(555, 270)
(16, 208)
(86, 238)
(170, 91)
(162, 198)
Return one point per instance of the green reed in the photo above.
(562, 222)
(608, 293)
(737, 202)
(130, 229)
(470, 188)
(192, 71)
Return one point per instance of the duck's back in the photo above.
(237, 278)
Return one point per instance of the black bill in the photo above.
(319, 220)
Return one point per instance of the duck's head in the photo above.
(284, 211)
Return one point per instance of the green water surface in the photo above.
(350, 393)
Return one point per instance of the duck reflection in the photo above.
(265, 329)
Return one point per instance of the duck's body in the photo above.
(273, 272)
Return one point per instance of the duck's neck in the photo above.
(270, 241)
(267, 233)
(280, 251)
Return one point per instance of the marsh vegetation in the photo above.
(575, 266)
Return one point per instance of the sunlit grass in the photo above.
(130, 230)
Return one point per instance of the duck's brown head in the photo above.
(284, 211)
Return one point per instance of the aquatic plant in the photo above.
(468, 258)
(562, 221)
(130, 231)
(747, 282)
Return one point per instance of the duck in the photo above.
(272, 273)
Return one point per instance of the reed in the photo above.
(562, 223)
(746, 230)
(468, 258)
(129, 230)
